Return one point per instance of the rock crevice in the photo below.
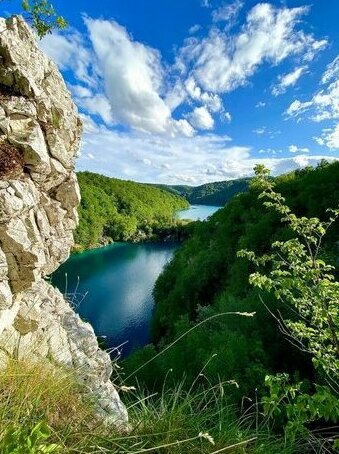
(40, 133)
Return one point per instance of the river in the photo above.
(111, 287)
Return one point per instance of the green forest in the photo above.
(208, 277)
(217, 193)
(113, 209)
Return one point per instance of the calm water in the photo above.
(111, 287)
(118, 280)
(197, 212)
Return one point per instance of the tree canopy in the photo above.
(123, 210)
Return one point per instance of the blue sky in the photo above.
(193, 91)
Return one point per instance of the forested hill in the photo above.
(113, 209)
(218, 193)
(206, 278)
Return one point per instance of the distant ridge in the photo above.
(218, 193)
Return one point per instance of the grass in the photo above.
(45, 404)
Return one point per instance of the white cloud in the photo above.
(176, 160)
(89, 125)
(296, 108)
(79, 91)
(227, 13)
(209, 100)
(324, 104)
(260, 104)
(302, 160)
(200, 118)
(194, 29)
(226, 116)
(332, 71)
(260, 131)
(264, 131)
(295, 149)
(222, 62)
(329, 138)
(205, 3)
(96, 105)
(133, 80)
(288, 80)
(69, 52)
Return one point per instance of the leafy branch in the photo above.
(300, 278)
(42, 16)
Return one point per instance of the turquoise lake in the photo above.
(197, 212)
(111, 287)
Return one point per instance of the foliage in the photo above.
(300, 278)
(297, 276)
(42, 16)
(124, 210)
(297, 407)
(24, 441)
(218, 193)
(43, 411)
(206, 277)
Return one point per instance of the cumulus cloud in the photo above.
(295, 149)
(125, 82)
(133, 78)
(200, 118)
(210, 100)
(69, 52)
(222, 62)
(288, 80)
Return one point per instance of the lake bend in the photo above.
(111, 287)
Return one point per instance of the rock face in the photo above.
(39, 137)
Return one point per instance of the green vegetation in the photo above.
(219, 304)
(42, 411)
(299, 278)
(42, 16)
(296, 291)
(118, 210)
(218, 193)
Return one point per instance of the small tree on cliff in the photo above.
(42, 16)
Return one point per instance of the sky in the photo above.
(195, 91)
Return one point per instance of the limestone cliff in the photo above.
(39, 137)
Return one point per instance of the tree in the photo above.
(42, 16)
(298, 276)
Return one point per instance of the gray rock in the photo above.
(39, 195)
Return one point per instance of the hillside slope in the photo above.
(206, 278)
(218, 193)
(122, 210)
